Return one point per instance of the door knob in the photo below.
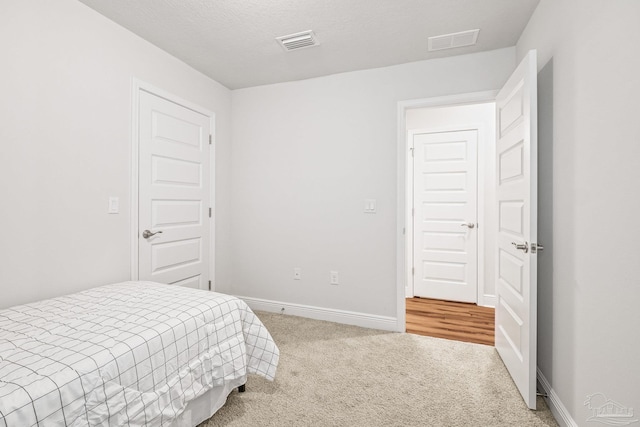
(523, 247)
(468, 224)
(146, 233)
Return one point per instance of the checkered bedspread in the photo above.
(133, 353)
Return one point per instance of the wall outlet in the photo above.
(333, 278)
(297, 273)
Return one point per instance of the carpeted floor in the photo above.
(337, 375)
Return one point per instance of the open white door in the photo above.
(517, 204)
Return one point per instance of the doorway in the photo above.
(515, 208)
(450, 199)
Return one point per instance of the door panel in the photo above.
(516, 286)
(171, 171)
(445, 199)
(174, 193)
(175, 213)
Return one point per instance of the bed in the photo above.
(133, 353)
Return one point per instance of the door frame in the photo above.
(403, 260)
(480, 204)
(138, 86)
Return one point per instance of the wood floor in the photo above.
(451, 320)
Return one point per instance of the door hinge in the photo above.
(411, 149)
(209, 284)
(209, 212)
(210, 139)
(413, 271)
(413, 211)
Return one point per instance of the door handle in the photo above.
(523, 247)
(468, 224)
(146, 233)
(536, 247)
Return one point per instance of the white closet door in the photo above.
(174, 192)
(445, 215)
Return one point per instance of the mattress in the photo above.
(133, 353)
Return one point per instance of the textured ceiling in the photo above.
(233, 41)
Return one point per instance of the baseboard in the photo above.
(488, 301)
(339, 316)
(556, 406)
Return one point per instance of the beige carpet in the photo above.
(338, 375)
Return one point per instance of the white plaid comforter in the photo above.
(132, 353)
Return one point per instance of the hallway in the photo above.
(450, 320)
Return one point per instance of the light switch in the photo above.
(114, 205)
(369, 206)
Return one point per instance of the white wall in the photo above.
(65, 107)
(589, 288)
(306, 155)
(482, 117)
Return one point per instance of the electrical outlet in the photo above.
(297, 273)
(333, 277)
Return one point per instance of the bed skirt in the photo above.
(203, 407)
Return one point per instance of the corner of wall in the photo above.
(559, 411)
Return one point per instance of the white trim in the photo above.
(481, 225)
(138, 85)
(402, 221)
(409, 220)
(449, 100)
(559, 411)
(133, 177)
(212, 203)
(488, 300)
(319, 313)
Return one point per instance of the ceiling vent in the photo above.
(450, 41)
(297, 41)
